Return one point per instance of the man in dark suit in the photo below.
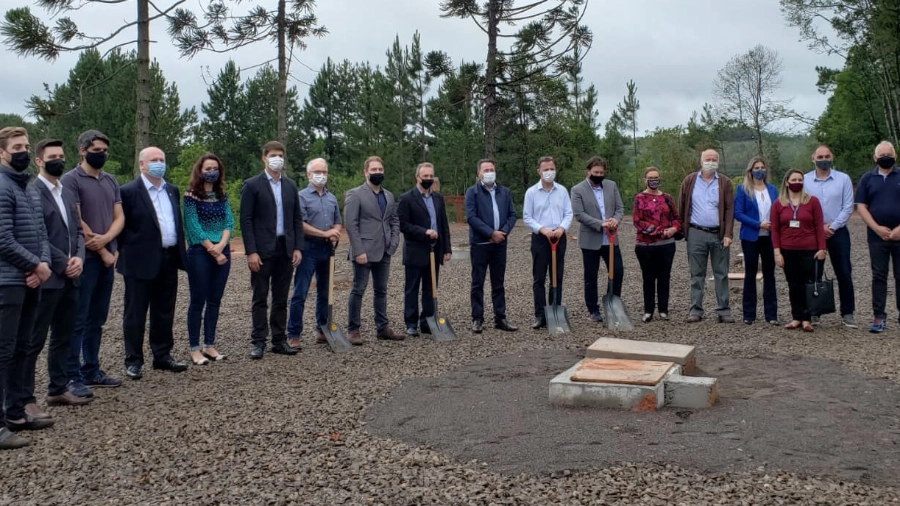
(272, 229)
(423, 221)
(59, 294)
(491, 217)
(151, 251)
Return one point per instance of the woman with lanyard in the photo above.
(798, 237)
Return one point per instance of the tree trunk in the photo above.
(491, 106)
(282, 73)
(142, 108)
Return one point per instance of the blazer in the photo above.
(480, 212)
(65, 241)
(746, 211)
(414, 221)
(259, 217)
(140, 243)
(369, 231)
(584, 207)
(726, 205)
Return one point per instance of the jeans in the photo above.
(799, 268)
(56, 316)
(541, 257)
(316, 260)
(839, 251)
(703, 246)
(18, 309)
(207, 281)
(380, 272)
(753, 250)
(415, 277)
(591, 261)
(882, 254)
(482, 258)
(93, 308)
(656, 271)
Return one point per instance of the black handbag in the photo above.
(820, 294)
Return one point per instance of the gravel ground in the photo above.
(292, 430)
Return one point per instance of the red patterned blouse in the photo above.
(652, 215)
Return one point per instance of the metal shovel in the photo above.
(438, 325)
(337, 341)
(616, 317)
(557, 315)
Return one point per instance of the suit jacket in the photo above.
(140, 243)
(726, 205)
(414, 221)
(480, 212)
(369, 231)
(259, 217)
(586, 211)
(65, 241)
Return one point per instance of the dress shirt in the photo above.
(382, 200)
(835, 194)
(705, 202)
(764, 203)
(547, 209)
(429, 204)
(492, 191)
(56, 192)
(319, 211)
(275, 184)
(598, 194)
(165, 215)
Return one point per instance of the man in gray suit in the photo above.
(370, 217)
(597, 206)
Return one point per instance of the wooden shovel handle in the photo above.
(612, 251)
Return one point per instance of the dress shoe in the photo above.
(67, 399)
(503, 324)
(320, 338)
(726, 319)
(284, 349)
(693, 319)
(35, 412)
(9, 440)
(294, 342)
(386, 334)
(134, 372)
(257, 352)
(30, 423)
(596, 317)
(169, 364)
(477, 325)
(538, 323)
(354, 337)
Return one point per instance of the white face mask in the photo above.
(319, 179)
(548, 175)
(276, 163)
(489, 177)
(710, 166)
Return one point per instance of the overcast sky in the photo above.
(671, 48)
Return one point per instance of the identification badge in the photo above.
(794, 224)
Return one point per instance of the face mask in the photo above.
(596, 180)
(824, 164)
(795, 187)
(276, 163)
(211, 176)
(426, 183)
(19, 161)
(376, 179)
(548, 175)
(759, 174)
(710, 166)
(95, 160)
(489, 177)
(319, 179)
(886, 162)
(653, 184)
(55, 167)
(156, 169)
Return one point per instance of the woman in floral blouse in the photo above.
(208, 223)
(656, 221)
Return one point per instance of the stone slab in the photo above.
(691, 392)
(565, 392)
(608, 347)
(620, 371)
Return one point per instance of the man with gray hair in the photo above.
(706, 205)
(322, 231)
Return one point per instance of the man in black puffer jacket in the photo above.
(24, 265)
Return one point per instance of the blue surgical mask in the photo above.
(759, 174)
(156, 169)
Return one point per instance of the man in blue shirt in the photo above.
(835, 192)
(876, 201)
(548, 213)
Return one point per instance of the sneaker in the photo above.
(647, 317)
(774, 322)
(664, 317)
(878, 326)
(596, 317)
(412, 331)
(849, 321)
(78, 389)
(103, 381)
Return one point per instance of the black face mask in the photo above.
(596, 180)
(886, 162)
(376, 179)
(426, 183)
(19, 161)
(824, 164)
(95, 160)
(55, 167)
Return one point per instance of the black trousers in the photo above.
(274, 273)
(484, 257)
(839, 253)
(656, 272)
(753, 252)
(55, 315)
(882, 254)
(416, 277)
(540, 262)
(157, 295)
(799, 269)
(591, 261)
(18, 310)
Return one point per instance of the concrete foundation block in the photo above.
(608, 347)
(565, 392)
(690, 392)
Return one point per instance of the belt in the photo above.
(318, 240)
(711, 230)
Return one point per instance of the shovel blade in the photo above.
(337, 341)
(557, 319)
(440, 328)
(616, 317)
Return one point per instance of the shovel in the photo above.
(557, 315)
(337, 341)
(616, 317)
(438, 325)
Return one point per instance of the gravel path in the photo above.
(292, 430)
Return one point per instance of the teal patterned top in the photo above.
(206, 219)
